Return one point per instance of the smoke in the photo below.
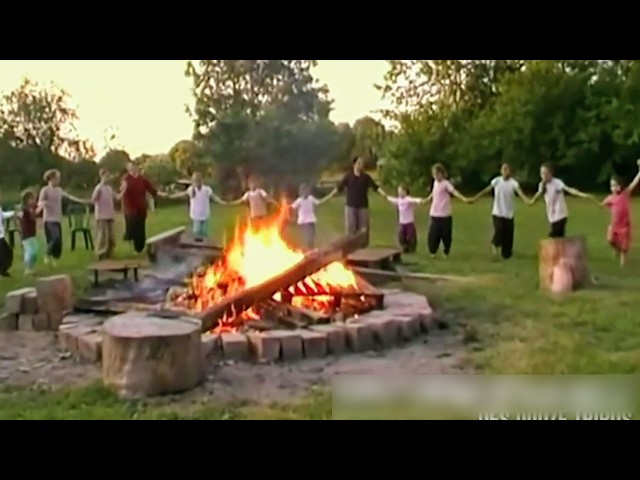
(171, 269)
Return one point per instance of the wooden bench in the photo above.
(115, 266)
(375, 257)
(164, 239)
(188, 240)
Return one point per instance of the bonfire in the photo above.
(257, 253)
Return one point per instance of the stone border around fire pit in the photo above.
(405, 317)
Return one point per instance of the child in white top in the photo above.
(200, 197)
(553, 190)
(257, 199)
(407, 234)
(505, 188)
(305, 206)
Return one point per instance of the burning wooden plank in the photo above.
(310, 264)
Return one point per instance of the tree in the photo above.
(115, 161)
(345, 145)
(159, 169)
(266, 117)
(582, 116)
(188, 157)
(33, 116)
(369, 135)
(38, 132)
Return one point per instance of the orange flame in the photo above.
(257, 253)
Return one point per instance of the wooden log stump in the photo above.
(144, 356)
(563, 265)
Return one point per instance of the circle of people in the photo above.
(135, 189)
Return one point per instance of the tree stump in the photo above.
(563, 264)
(144, 356)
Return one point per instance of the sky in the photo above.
(143, 101)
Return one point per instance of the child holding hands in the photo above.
(440, 219)
(619, 203)
(407, 234)
(305, 205)
(200, 197)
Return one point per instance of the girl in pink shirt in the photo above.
(619, 230)
(440, 221)
(407, 235)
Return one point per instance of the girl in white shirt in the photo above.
(407, 234)
(200, 197)
(305, 206)
(553, 190)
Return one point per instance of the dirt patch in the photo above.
(439, 353)
(28, 358)
(35, 359)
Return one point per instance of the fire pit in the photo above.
(266, 300)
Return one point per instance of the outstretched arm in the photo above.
(459, 196)
(217, 199)
(522, 195)
(320, 201)
(330, 195)
(535, 198)
(173, 196)
(390, 199)
(482, 193)
(576, 192)
(74, 198)
(239, 201)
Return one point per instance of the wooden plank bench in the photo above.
(115, 266)
(375, 257)
(188, 240)
(158, 242)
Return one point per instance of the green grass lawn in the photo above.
(523, 331)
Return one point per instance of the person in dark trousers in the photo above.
(6, 252)
(50, 202)
(505, 188)
(553, 190)
(440, 220)
(357, 184)
(407, 235)
(134, 189)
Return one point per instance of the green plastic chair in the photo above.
(80, 222)
(12, 226)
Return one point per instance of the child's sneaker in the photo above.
(47, 260)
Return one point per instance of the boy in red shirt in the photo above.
(134, 190)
